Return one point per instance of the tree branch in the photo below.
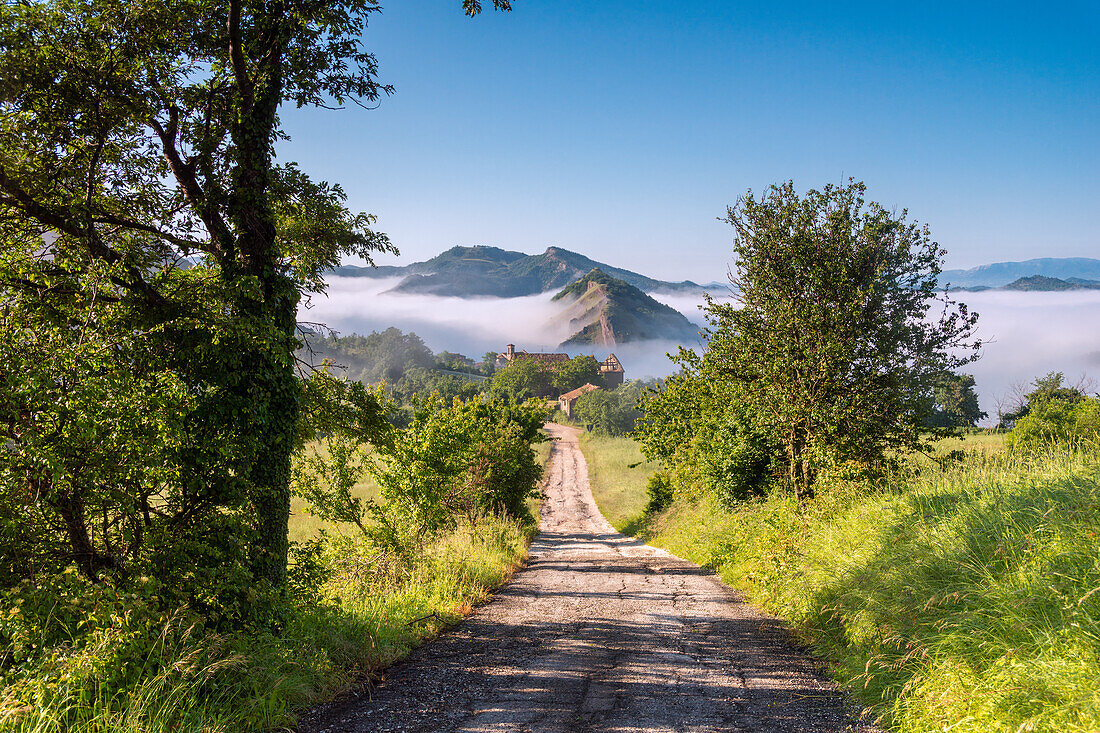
(26, 203)
(107, 218)
(96, 246)
(221, 236)
(236, 54)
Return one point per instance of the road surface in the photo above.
(600, 632)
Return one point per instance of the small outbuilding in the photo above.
(565, 402)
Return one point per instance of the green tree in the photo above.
(456, 362)
(578, 371)
(956, 403)
(1056, 420)
(611, 411)
(701, 428)
(425, 382)
(839, 335)
(523, 379)
(140, 141)
(1045, 389)
(489, 363)
(460, 458)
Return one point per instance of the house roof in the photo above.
(543, 357)
(537, 356)
(574, 394)
(611, 364)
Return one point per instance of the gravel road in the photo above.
(600, 632)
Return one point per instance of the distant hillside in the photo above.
(1047, 284)
(491, 271)
(1000, 274)
(606, 311)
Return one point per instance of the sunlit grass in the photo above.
(617, 473)
(148, 675)
(965, 601)
(143, 673)
(975, 440)
(963, 598)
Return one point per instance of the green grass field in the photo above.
(961, 599)
(976, 440)
(617, 473)
(305, 526)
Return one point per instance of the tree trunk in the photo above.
(269, 386)
(794, 453)
(273, 392)
(71, 509)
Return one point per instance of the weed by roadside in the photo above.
(963, 597)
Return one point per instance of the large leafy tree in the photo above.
(956, 403)
(578, 371)
(523, 379)
(840, 335)
(142, 211)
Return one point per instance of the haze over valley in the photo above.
(1027, 333)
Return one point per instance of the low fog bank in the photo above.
(468, 326)
(473, 326)
(689, 304)
(1029, 333)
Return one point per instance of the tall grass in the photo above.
(963, 598)
(143, 675)
(616, 471)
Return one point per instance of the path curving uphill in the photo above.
(601, 632)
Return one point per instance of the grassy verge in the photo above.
(617, 473)
(965, 599)
(87, 659)
(137, 672)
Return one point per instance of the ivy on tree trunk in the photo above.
(154, 249)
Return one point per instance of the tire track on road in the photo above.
(601, 632)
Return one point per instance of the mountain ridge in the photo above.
(999, 274)
(607, 311)
(483, 271)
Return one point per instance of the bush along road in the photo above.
(601, 632)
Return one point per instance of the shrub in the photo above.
(732, 459)
(1056, 421)
(659, 491)
(456, 459)
(610, 412)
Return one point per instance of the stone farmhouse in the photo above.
(611, 369)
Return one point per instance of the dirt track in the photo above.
(601, 633)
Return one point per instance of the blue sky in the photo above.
(623, 129)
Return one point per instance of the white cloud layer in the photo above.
(1029, 334)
